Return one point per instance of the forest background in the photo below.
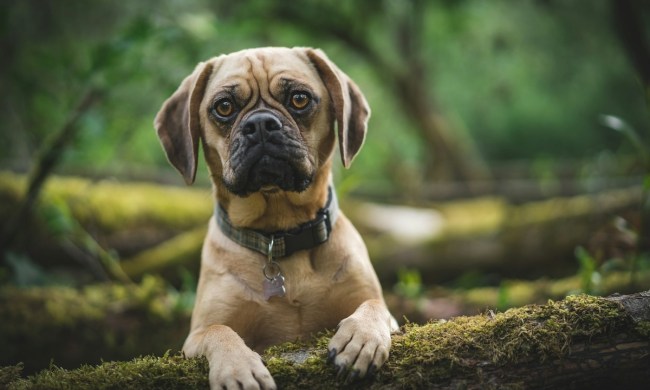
(514, 135)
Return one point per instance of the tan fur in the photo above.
(329, 285)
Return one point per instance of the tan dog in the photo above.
(280, 262)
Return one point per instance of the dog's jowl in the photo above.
(280, 261)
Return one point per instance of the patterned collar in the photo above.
(285, 242)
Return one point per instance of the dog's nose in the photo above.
(261, 123)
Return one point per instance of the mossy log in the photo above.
(113, 207)
(124, 217)
(532, 239)
(441, 302)
(183, 250)
(579, 342)
(69, 327)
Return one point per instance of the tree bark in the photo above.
(579, 342)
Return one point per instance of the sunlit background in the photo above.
(505, 160)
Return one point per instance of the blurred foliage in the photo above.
(589, 276)
(409, 283)
(524, 79)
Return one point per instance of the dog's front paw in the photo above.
(361, 344)
(241, 370)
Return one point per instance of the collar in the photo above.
(284, 242)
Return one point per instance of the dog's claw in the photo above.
(354, 375)
(341, 372)
(331, 355)
(371, 370)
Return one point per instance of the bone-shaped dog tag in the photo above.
(274, 287)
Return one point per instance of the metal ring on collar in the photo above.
(271, 265)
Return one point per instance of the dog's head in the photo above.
(265, 118)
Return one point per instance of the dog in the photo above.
(280, 261)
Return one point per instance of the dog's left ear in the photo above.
(178, 123)
(350, 106)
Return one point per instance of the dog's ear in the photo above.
(350, 106)
(178, 123)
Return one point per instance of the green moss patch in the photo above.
(149, 372)
(110, 206)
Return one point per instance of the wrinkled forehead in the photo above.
(261, 70)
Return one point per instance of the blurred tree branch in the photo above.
(48, 159)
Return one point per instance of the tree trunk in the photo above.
(579, 342)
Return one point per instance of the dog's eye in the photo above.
(224, 108)
(300, 100)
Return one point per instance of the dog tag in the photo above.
(274, 287)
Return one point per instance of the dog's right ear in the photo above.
(350, 106)
(178, 123)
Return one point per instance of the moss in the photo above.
(643, 328)
(294, 365)
(451, 353)
(119, 205)
(10, 374)
(167, 372)
(472, 217)
(70, 326)
(520, 292)
(439, 351)
(184, 249)
(111, 206)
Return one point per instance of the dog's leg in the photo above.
(232, 364)
(362, 341)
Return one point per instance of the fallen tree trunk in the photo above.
(125, 217)
(532, 239)
(70, 327)
(579, 342)
(181, 251)
(442, 302)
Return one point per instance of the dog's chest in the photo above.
(306, 308)
(290, 319)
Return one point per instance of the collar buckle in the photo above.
(269, 251)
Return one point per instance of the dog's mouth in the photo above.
(268, 169)
(270, 173)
